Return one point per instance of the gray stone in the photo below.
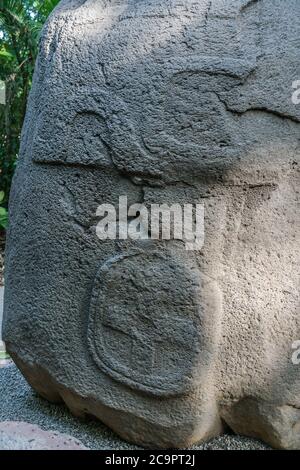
(164, 102)
(16, 435)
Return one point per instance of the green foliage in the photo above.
(3, 212)
(20, 24)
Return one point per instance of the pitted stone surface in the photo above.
(163, 102)
(146, 328)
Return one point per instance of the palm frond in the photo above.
(12, 13)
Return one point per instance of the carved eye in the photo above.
(85, 128)
(79, 138)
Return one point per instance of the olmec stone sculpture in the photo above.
(165, 102)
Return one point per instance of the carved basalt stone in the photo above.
(177, 101)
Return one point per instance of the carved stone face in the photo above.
(163, 102)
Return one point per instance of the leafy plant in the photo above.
(3, 212)
(20, 24)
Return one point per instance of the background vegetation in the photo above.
(20, 24)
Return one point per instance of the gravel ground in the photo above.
(19, 403)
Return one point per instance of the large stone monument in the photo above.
(164, 102)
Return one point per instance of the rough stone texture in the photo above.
(165, 102)
(19, 402)
(16, 435)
